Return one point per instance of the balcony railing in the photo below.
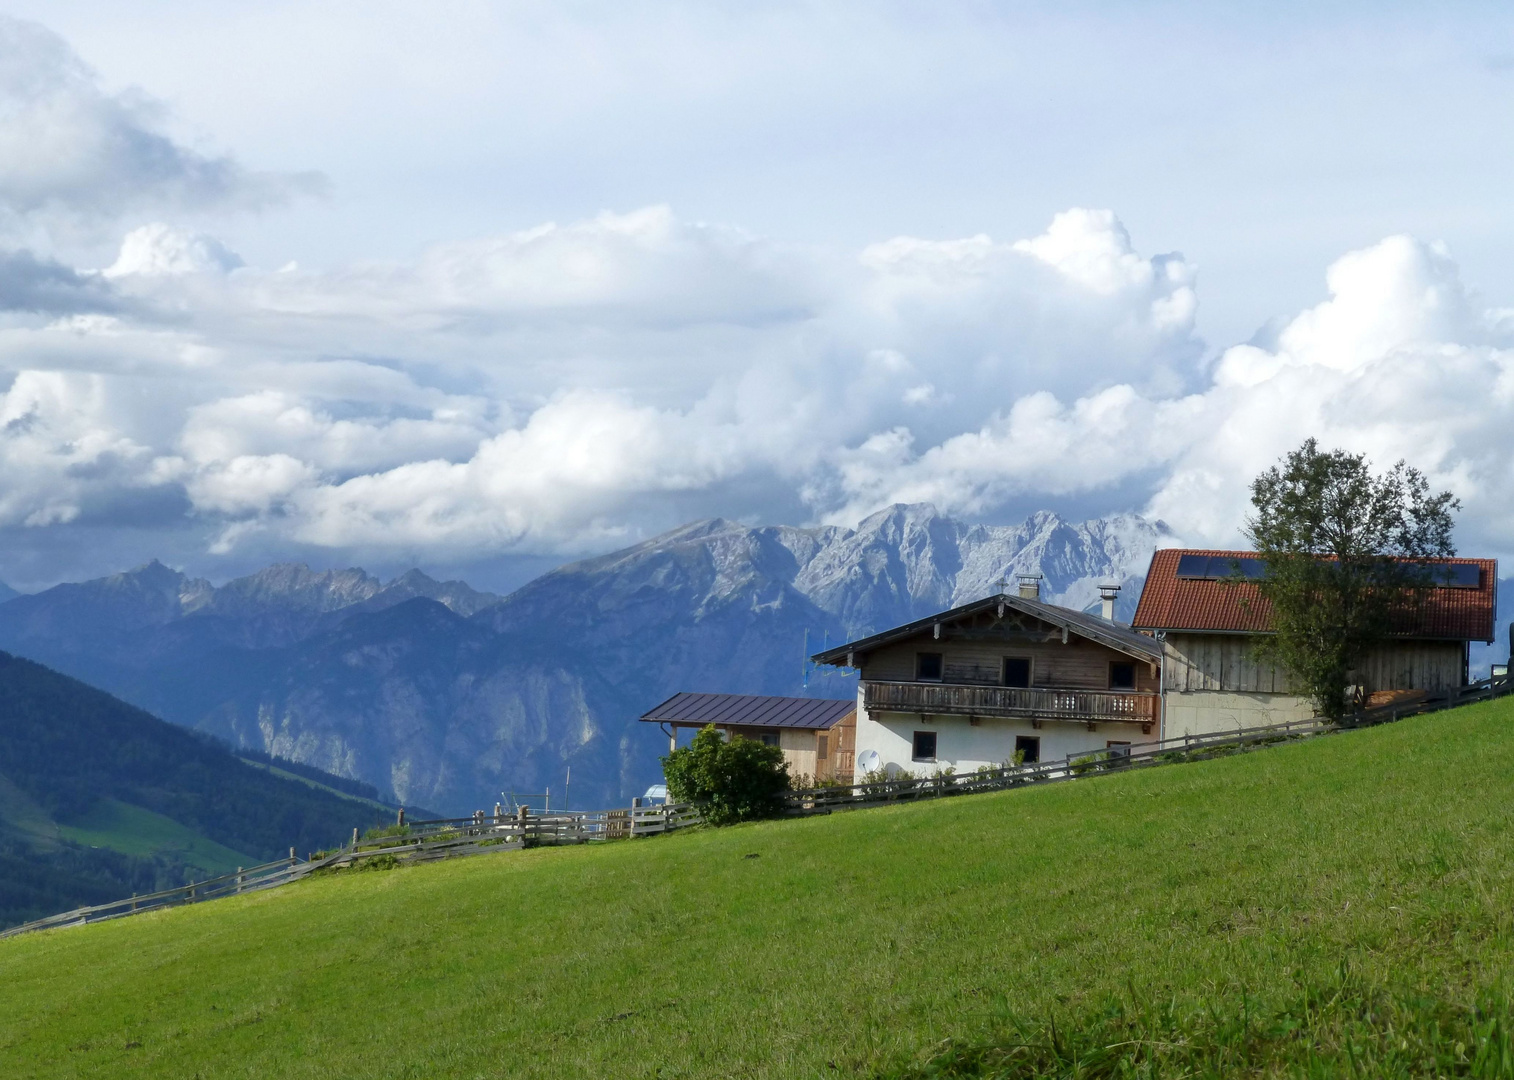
(1128, 705)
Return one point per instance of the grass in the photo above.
(132, 830)
(1328, 908)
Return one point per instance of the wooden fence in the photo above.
(424, 841)
(419, 841)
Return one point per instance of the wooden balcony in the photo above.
(1131, 706)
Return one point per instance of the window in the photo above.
(928, 666)
(925, 746)
(1029, 747)
(1017, 671)
(1122, 675)
(768, 738)
(822, 747)
(1118, 751)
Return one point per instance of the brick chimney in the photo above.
(1107, 595)
(1030, 586)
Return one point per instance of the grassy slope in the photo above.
(132, 830)
(860, 939)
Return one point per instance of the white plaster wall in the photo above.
(1202, 712)
(964, 747)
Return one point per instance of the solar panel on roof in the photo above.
(1222, 567)
(1218, 567)
(1453, 575)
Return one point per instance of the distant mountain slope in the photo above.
(99, 799)
(448, 696)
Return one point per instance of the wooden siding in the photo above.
(1413, 665)
(1078, 665)
(1226, 662)
(1219, 662)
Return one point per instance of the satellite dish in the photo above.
(868, 760)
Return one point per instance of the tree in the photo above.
(1344, 552)
(734, 780)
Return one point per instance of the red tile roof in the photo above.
(1172, 603)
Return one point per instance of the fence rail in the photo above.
(442, 838)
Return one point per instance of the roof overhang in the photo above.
(1090, 627)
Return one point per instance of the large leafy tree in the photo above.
(1343, 549)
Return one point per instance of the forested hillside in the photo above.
(99, 799)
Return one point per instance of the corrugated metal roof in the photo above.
(1115, 635)
(1172, 603)
(751, 710)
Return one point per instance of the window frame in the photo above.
(1030, 672)
(914, 749)
(764, 736)
(1134, 679)
(1036, 739)
(941, 669)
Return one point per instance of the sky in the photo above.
(485, 287)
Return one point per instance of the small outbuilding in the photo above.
(817, 735)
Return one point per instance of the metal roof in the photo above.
(1115, 635)
(1170, 602)
(751, 710)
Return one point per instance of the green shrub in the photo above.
(1099, 759)
(387, 831)
(735, 780)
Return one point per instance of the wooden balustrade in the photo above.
(1052, 704)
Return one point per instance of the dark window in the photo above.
(1118, 751)
(1122, 676)
(1030, 747)
(928, 666)
(822, 747)
(768, 739)
(1016, 671)
(925, 746)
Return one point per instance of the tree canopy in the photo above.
(1344, 549)
(732, 780)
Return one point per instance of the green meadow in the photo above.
(1335, 907)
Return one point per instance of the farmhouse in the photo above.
(1004, 676)
(1207, 612)
(815, 735)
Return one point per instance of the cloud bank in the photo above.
(557, 390)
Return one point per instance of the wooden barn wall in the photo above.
(1413, 665)
(1219, 662)
(1079, 665)
(1225, 662)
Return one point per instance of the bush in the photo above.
(735, 780)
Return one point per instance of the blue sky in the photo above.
(488, 286)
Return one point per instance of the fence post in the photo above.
(400, 819)
(521, 816)
(635, 806)
(240, 879)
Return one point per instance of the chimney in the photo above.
(1030, 586)
(1107, 594)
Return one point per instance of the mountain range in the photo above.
(440, 694)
